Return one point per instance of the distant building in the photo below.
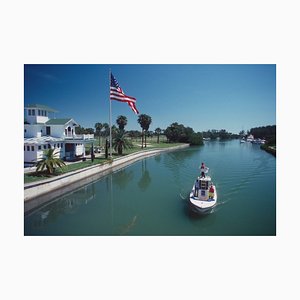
(42, 132)
(250, 138)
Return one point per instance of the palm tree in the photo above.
(157, 132)
(114, 131)
(122, 122)
(106, 129)
(49, 161)
(98, 127)
(120, 142)
(145, 121)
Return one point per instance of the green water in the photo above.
(150, 197)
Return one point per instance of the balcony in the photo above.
(79, 137)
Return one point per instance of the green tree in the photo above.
(98, 127)
(144, 121)
(134, 134)
(264, 132)
(175, 133)
(79, 130)
(89, 131)
(50, 161)
(105, 129)
(157, 132)
(223, 134)
(196, 139)
(242, 133)
(120, 142)
(122, 122)
(114, 131)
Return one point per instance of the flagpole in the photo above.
(110, 139)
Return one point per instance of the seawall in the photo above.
(38, 193)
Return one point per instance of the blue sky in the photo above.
(231, 97)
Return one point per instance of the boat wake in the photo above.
(183, 197)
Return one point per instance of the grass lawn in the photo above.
(32, 177)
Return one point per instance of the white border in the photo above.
(163, 32)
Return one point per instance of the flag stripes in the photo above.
(116, 93)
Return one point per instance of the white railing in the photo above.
(80, 136)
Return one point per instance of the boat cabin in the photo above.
(204, 185)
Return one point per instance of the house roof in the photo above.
(58, 121)
(41, 106)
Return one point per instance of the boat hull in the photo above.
(199, 209)
(202, 205)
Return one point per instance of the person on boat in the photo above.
(211, 192)
(202, 170)
(196, 188)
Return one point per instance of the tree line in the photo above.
(221, 134)
(175, 133)
(178, 133)
(264, 132)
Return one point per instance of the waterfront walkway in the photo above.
(39, 192)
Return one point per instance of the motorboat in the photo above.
(204, 199)
(259, 141)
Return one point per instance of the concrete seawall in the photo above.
(38, 193)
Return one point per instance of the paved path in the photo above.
(39, 192)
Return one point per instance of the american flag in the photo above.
(116, 93)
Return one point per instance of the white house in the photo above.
(42, 132)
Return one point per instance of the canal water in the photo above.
(149, 198)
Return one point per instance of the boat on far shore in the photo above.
(250, 138)
(258, 141)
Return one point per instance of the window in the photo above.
(32, 148)
(54, 146)
(49, 146)
(39, 112)
(24, 148)
(57, 145)
(61, 145)
(33, 112)
(25, 130)
(28, 148)
(40, 147)
(29, 112)
(45, 146)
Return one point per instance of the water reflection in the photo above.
(123, 177)
(127, 227)
(157, 158)
(69, 204)
(182, 165)
(145, 179)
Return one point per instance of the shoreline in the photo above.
(41, 192)
(269, 149)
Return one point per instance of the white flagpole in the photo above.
(110, 139)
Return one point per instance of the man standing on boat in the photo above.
(196, 188)
(203, 169)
